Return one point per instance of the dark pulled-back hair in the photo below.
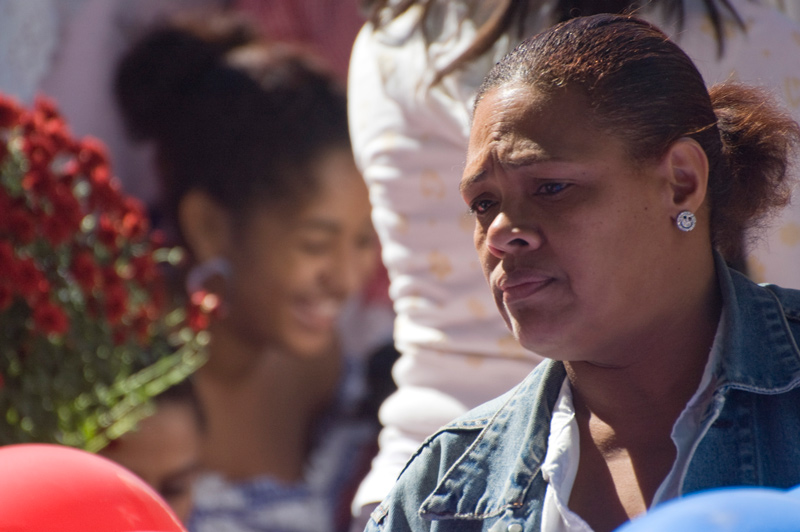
(230, 114)
(643, 89)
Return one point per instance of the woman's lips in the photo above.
(518, 286)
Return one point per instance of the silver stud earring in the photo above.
(686, 221)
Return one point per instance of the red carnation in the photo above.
(141, 326)
(106, 233)
(105, 193)
(111, 279)
(45, 108)
(10, 112)
(50, 319)
(21, 226)
(59, 134)
(85, 271)
(28, 279)
(144, 269)
(7, 259)
(56, 230)
(69, 172)
(134, 222)
(5, 207)
(40, 151)
(66, 207)
(6, 296)
(91, 153)
(116, 303)
(39, 181)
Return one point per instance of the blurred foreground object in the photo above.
(52, 487)
(745, 509)
(85, 336)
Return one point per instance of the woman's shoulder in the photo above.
(508, 417)
(474, 456)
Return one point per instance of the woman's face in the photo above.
(164, 451)
(294, 269)
(574, 238)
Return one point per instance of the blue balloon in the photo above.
(724, 510)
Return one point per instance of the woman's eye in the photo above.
(550, 189)
(480, 206)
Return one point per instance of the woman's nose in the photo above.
(506, 235)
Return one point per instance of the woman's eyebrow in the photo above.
(474, 179)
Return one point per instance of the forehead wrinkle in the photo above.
(498, 139)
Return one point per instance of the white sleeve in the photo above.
(410, 141)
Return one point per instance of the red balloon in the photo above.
(51, 487)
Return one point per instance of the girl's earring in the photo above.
(200, 274)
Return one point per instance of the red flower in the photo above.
(141, 325)
(21, 226)
(116, 303)
(106, 233)
(45, 108)
(85, 271)
(134, 221)
(55, 230)
(66, 208)
(7, 259)
(70, 172)
(144, 269)
(105, 193)
(28, 280)
(50, 318)
(39, 182)
(40, 151)
(10, 112)
(91, 153)
(6, 296)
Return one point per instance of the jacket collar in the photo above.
(760, 354)
(759, 351)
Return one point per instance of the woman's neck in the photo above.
(625, 413)
(662, 367)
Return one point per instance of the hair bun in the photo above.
(156, 77)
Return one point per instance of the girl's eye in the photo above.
(314, 247)
(551, 189)
(480, 206)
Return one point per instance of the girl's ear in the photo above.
(205, 225)
(687, 174)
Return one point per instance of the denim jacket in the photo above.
(482, 471)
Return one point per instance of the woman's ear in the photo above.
(205, 225)
(687, 174)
